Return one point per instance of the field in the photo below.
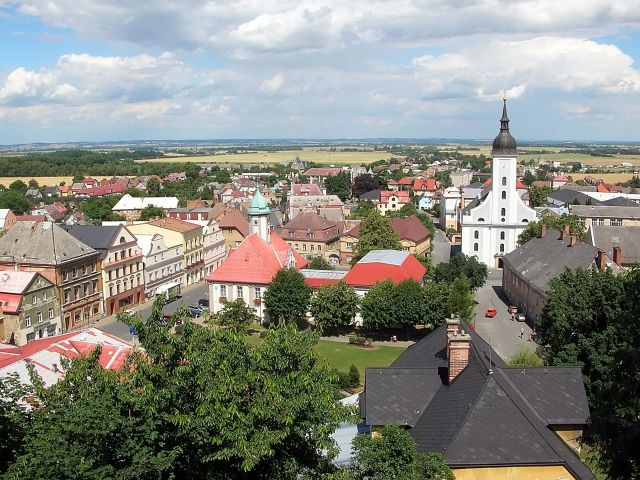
(310, 154)
(605, 177)
(49, 181)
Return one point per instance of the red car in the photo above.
(491, 312)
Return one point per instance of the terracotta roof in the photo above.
(31, 218)
(403, 196)
(301, 189)
(15, 282)
(10, 302)
(380, 265)
(174, 224)
(255, 261)
(425, 184)
(405, 181)
(234, 218)
(407, 228)
(322, 172)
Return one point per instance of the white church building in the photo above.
(492, 223)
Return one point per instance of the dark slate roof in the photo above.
(373, 195)
(490, 415)
(591, 211)
(607, 237)
(568, 196)
(541, 259)
(96, 236)
(620, 202)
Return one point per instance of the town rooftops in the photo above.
(15, 282)
(604, 211)
(322, 172)
(304, 189)
(234, 218)
(41, 243)
(318, 278)
(315, 201)
(607, 237)
(424, 184)
(380, 265)
(127, 202)
(96, 236)
(407, 228)
(174, 224)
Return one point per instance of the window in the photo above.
(66, 296)
(503, 212)
(312, 247)
(239, 291)
(44, 296)
(598, 221)
(122, 240)
(476, 234)
(481, 219)
(501, 235)
(95, 286)
(65, 275)
(111, 290)
(93, 267)
(502, 248)
(223, 290)
(27, 321)
(616, 222)
(256, 292)
(84, 270)
(475, 247)
(504, 195)
(349, 244)
(304, 247)
(39, 317)
(34, 299)
(75, 273)
(51, 313)
(504, 180)
(85, 289)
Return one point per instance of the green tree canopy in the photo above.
(98, 209)
(151, 212)
(18, 186)
(461, 299)
(538, 196)
(339, 185)
(236, 315)
(528, 178)
(436, 307)
(14, 200)
(576, 227)
(378, 308)
(334, 305)
(364, 208)
(33, 183)
(460, 264)
(409, 302)
(287, 297)
(319, 263)
(153, 187)
(376, 233)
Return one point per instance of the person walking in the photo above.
(521, 332)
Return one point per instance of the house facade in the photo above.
(30, 307)
(163, 264)
(314, 236)
(234, 227)
(607, 216)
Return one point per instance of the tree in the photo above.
(444, 178)
(33, 183)
(364, 208)
(362, 184)
(18, 186)
(376, 233)
(319, 263)
(378, 308)
(236, 316)
(205, 404)
(151, 212)
(528, 178)
(461, 299)
(538, 196)
(576, 227)
(409, 303)
(14, 418)
(98, 209)
(390, 455)
(287, 297)
(14, 200)
(525, 357)
(338, 185)
(460, 264)
(153, 187)
(436, 303)
(431, 466)
(77, 179)
(334, 305)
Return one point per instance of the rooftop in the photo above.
(127, 202)
(175, 225)
(381, 265)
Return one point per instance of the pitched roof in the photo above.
(607, 237)
(604, 211)
(234, 218)
(96, 236)
(16, 282)
(380, 265)
(300, 225)
(174, 224)
(303, 189)
(41, 243)
(127, 202)
(318, 278)
(410, 228)
(322, 172)
(255, 261)
(424, 184)
(402, 196)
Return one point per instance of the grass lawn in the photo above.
(342, 355)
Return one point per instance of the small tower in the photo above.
(259, 216)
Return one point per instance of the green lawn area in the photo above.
(342, 355)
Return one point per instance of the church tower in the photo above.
(492, 222)
(259, 216)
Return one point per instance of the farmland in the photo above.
(605, 177)
(49, 181)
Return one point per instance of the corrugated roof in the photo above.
(318, 278)
(381, 265)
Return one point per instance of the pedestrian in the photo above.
(521, 332)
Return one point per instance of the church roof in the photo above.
(504, 143)
(259, 205)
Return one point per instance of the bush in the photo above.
(350, 379)
(525, 358)
(355, 340)
(263, 333)
(354, 376)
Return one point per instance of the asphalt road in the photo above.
(441, 248)
(500, 331)
(190, 296)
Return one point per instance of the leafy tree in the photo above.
(151, 212)
(364, 209)
(33, 183)
(528, 178)
(14, 200)
(460, 264)
(362, 184)
(444, 178)
(204, 404)
(525, 357)
(538, 196)
(153, 187)
(334, 305)
(237, 316)
(339, 185)
(378, 308)
(409, 303)
(287, 297)
(77, 179)
(319, 263)
(576, 227)
(436, 303)
(192, 171)
(376, 233)
(98, 209)
(18, 186)
(461, 299)
(431, 466)
(14, 419)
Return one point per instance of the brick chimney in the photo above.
(565, 232)
(453, 325)
(601, 260)
(617, 256)
(572, 240)
(543, 230)
(458, 345)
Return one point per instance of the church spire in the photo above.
(504, 143)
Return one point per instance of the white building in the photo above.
(163, 264)
(492, 223)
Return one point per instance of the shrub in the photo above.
(354, 376)
(355, 340)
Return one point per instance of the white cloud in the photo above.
(272, 85)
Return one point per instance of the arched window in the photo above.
(504, 180)
(476, 234)
(504, 195)
(502, 248)
(481, 219)
(501, 235)
(503, 212)
(524, 220)
(475, 247)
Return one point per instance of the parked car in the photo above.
(521, 317)
(491, 312)
(203, 302)
(129, 313)
(196, 311)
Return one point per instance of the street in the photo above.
(500, 331)
(190, 296)
(441, 248)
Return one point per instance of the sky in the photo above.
(96, 70)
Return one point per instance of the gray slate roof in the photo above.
(482, 418)
(542, 259)
(568, 196)
(603, 211)
(620, 202)
(41, 243)
(607, 237)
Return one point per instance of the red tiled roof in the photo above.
(367, 274)
(602, 188)
(255, 261)
(235, 219)
(403, 196)
(519, 184)
(31, 218)
(425, 184)
(405, 181)
(174, 224)
(322, 172)
(407, 228)
(298, 189)
(10, 302)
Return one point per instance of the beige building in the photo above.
(314, 236)
(607, 216)
(163, 264)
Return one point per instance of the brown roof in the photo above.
(309, 220)
(174, 224)
(323, 229)
(217, 211)
(235, 219)
(407, 228)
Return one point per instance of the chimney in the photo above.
(565, 232)
(617, 255)
(453, 325)
(543, 230)
(572, 240)
(601, 260)
(459, 345)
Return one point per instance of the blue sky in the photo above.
(73, 70)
